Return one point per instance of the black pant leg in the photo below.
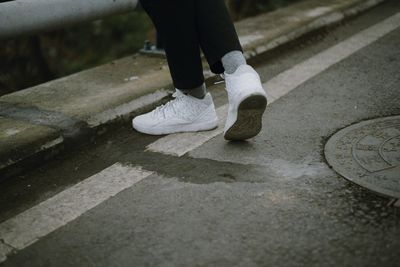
(216, 31)
(176, 23)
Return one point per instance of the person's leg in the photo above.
(191, 109)
(221, 46)
(175, 22)
(218, 38)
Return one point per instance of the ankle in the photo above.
(197, 92)
(232, 61)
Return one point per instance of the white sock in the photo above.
(198, 92)
(232, 61)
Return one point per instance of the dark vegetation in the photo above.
(27, 61)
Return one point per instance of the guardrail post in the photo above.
(154, 49)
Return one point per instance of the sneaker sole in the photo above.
(186, 128)
(249, 119)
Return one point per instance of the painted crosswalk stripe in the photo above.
(282, 84)
(29, 226)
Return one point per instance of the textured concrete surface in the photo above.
(272, 201)
(90, 92)
(265, 32)
(124, 87)
(19, 139)
(94, 97)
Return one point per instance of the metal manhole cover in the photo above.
(368, 154)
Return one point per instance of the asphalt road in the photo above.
(271, 201)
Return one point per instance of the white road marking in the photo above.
(285, 82)
(29, 226)
(282, 84)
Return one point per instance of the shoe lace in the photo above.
(221, 79)
(169, 106)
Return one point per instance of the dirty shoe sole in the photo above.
(249, 119)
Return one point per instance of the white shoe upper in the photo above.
(244, 82)
(182, 114)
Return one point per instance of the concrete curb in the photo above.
(78, 107)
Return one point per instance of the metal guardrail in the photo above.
(22, 17)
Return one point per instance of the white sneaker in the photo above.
(247, 103)
(182, 114)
